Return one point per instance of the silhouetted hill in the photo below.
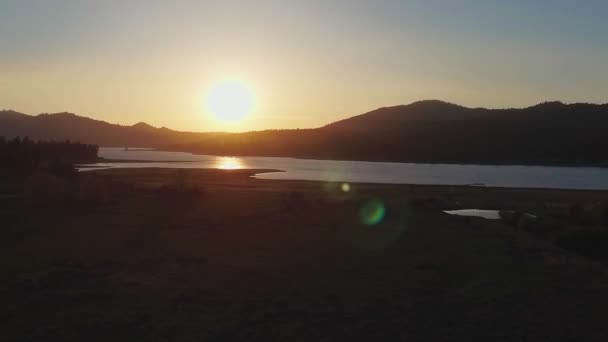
(10, 114)
(68, 126)
(549, 133)
(428, 111)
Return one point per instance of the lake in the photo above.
(590, 178)
(487, 214)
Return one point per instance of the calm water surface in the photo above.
(373, 172)
(487, 214)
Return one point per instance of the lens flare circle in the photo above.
(372, 212)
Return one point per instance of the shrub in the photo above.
(433, 203)
(43, 188)
(509, 216)
(590, 243)
(93, 191)
(598, 214)
(62, 170)
(293, 199)
(181, 192)
(576, 213)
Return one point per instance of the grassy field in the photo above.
(211, 255)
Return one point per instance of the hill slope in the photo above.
(432, 131)
(549, 133)
(62, 126)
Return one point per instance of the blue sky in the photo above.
(308, 62)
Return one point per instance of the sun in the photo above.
(229, 101)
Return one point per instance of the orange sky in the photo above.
(306, 64)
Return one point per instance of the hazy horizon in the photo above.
(312, 127)
(293, 65)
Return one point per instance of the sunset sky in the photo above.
(294, 63)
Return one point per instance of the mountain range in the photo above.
(62, 126)
(550, 133)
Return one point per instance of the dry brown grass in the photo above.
(258, 260)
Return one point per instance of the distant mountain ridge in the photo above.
(69, 126)
(433, 131)
(550, 133)
(427, 110)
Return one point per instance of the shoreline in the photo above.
(263, 171)
(601, 165)
(251, 173)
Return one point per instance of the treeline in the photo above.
(550, 133)
(435, 132)
(23, 156)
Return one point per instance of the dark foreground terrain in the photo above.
(209, 255)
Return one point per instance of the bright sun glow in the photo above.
(230, 101)
(228, 163)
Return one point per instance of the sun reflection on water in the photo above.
(229, 163)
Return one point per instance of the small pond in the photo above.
(487, 214)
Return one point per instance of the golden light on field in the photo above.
(229, 101)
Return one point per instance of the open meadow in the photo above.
(215, 255)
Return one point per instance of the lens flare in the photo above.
(345, 187)
(372, 212)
